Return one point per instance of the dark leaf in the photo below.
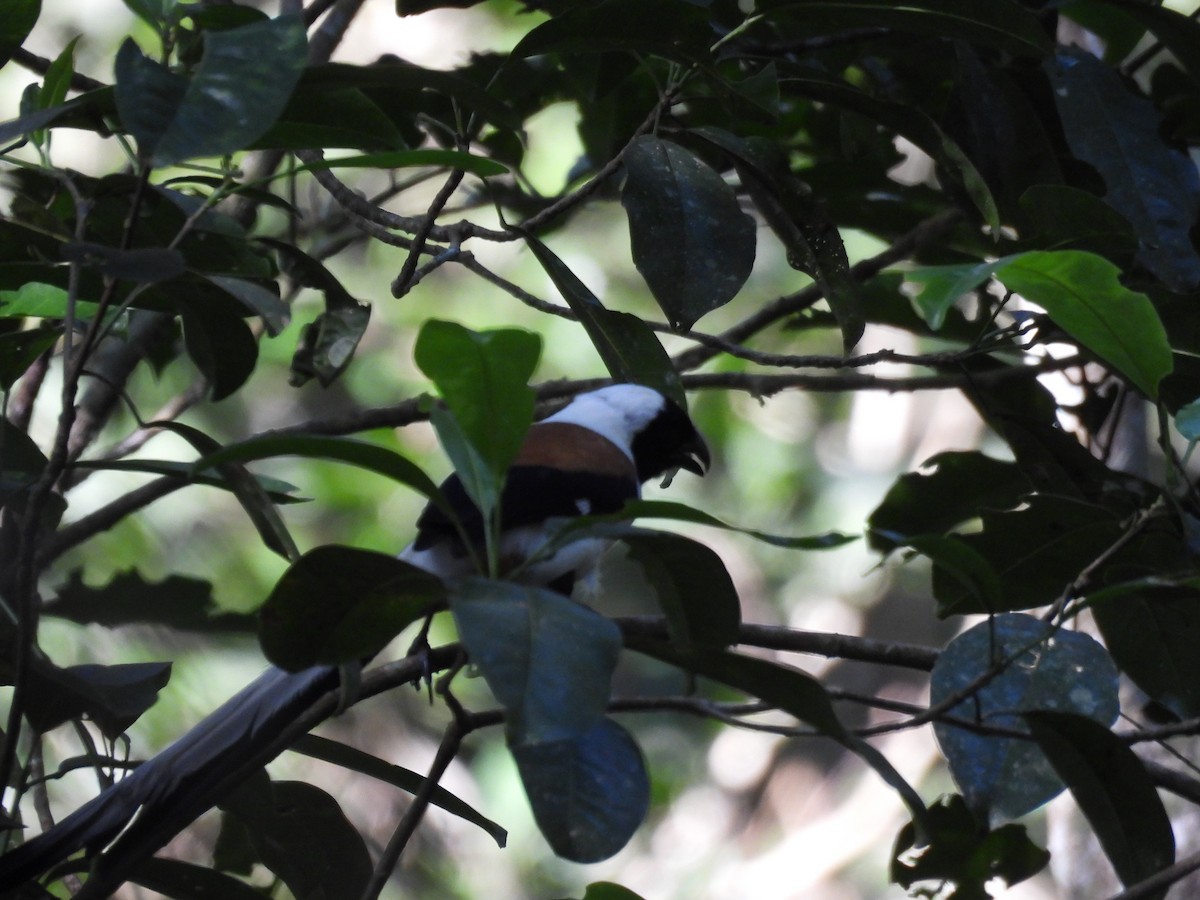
(1113, 791)
(1014, 664)
(952, 488)
(810, 238)
(17, 18)
(18, 350)
(955, 847)
(302, 835)
(146, 265)
(692, 586)
(128, 599)
(21, 463)
(589, 793)
(999, 23)
(220, 344)
(1069, 218)
(407, 780)
(114, 697)
(186, 881)
(442, 159)
(629, 349)
(338, 605)
(783, 687)
(675, 29)
(327, 344)
(257, 299)
(235, 94)
(691, 241)
(1152, 185)
(547, 659)
(1152, 630)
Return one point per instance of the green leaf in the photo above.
(129, 599)
(56, 83)
(1152, 185)
(606, 890)
(235, 94)
(978, 584)
(17, 18)
(42, 301)
(1113, 791)
(1084, 296)
(954, 847)
(146, 265)
(628, 348)
(483, 377)
(589, 793)
(691, 241)
(938, 288)
(407, 780)
(338, 605)
(680, 512)
(547, 659)
(1039, 667)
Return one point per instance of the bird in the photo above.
(589, 458)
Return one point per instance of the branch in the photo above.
(929, 231)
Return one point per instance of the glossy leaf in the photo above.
(1013, 664)
(589, 793)
(257, 299)
(673, 28)
(1152, 185)
(1113, 791)
(691, 241)
(339, 605)
(547, 659)
(628, 348)
(1083, 294)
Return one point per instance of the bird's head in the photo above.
(650, 429)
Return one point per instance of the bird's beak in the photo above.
(694, 456)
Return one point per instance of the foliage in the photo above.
(956, 179)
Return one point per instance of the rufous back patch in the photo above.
(573, 448)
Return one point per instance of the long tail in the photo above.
(164, 794)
